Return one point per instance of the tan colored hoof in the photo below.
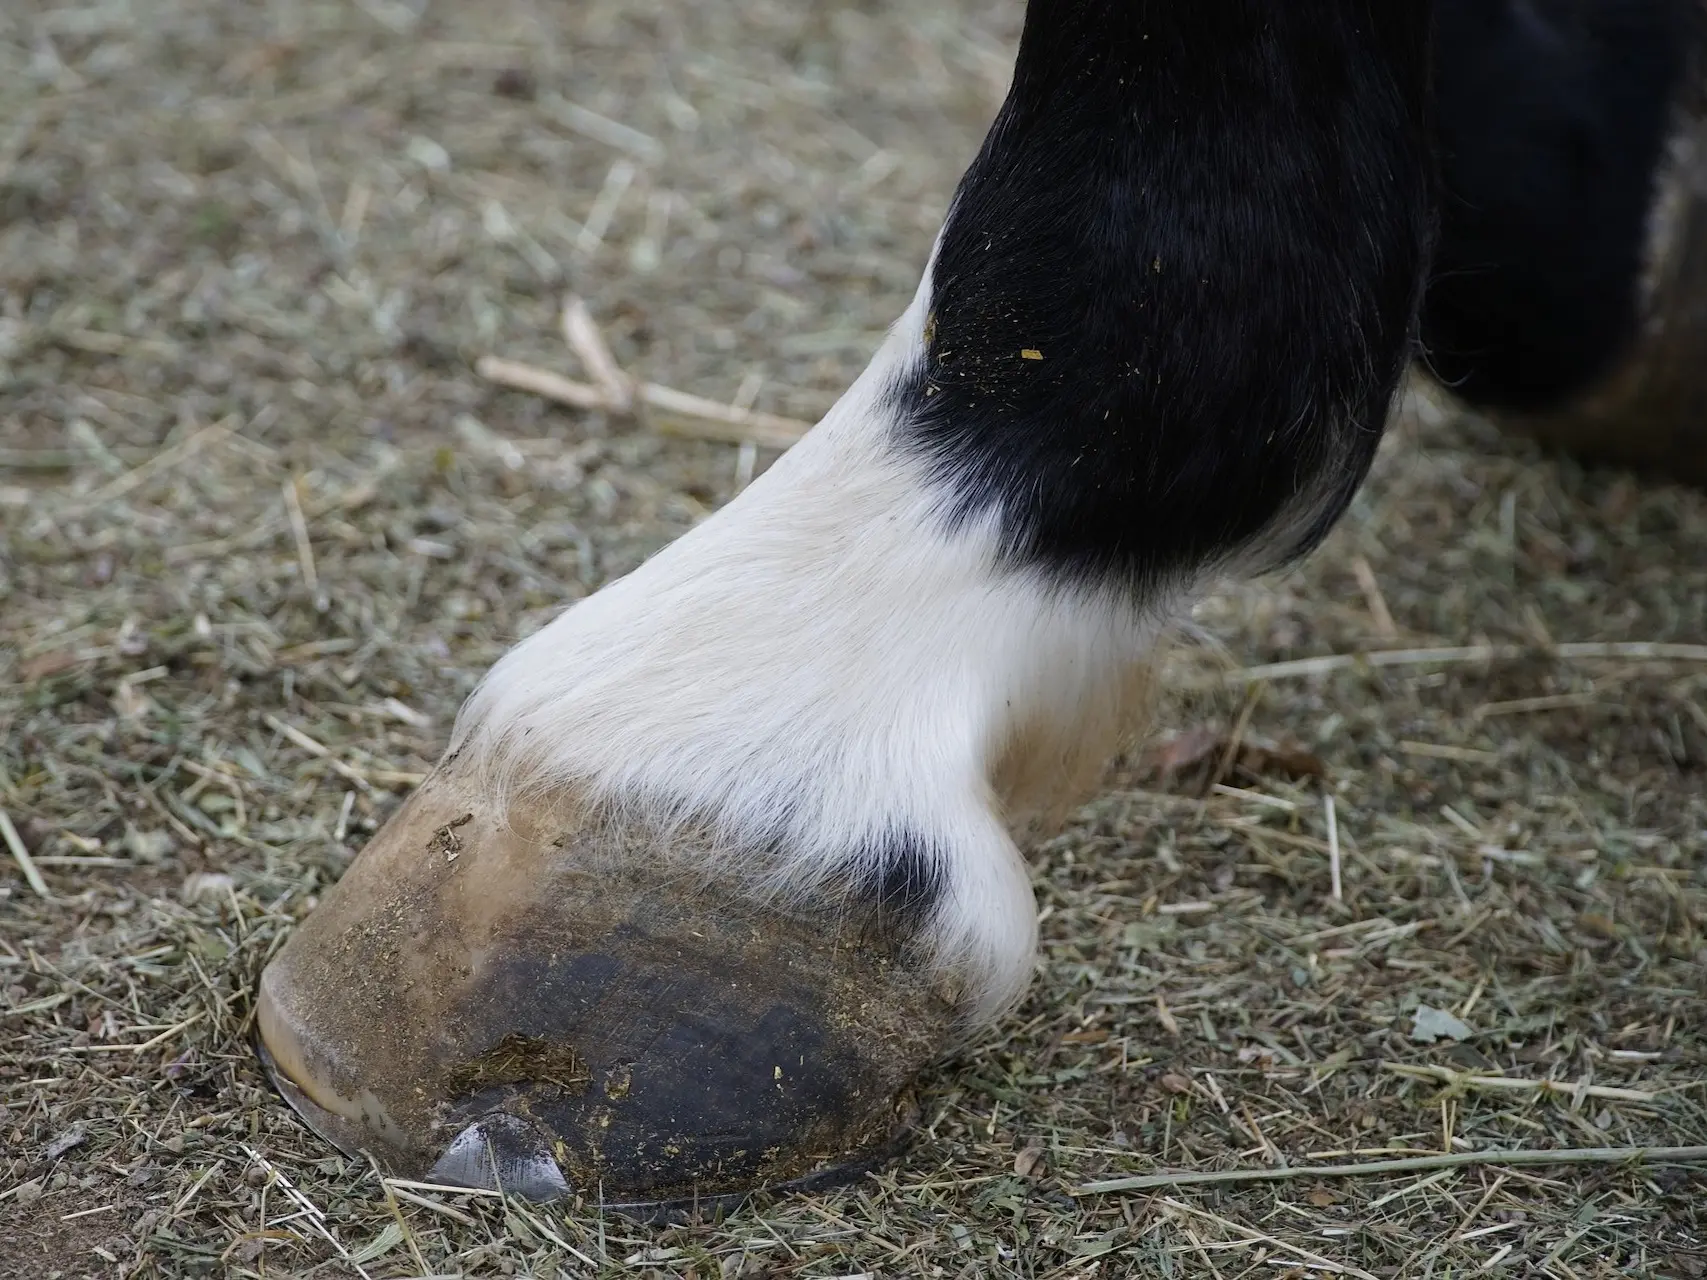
(579, 1013)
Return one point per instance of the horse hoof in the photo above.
(1649, 412)
(566, 1007)
(1648, 407)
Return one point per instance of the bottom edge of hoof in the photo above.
(509, 1158)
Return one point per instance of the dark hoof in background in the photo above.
(1650, 412)
(1568, 300)
(572, 1011)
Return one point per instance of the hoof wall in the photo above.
(568, 1017)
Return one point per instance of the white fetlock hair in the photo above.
(825, 663)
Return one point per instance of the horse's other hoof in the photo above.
(570, 1010)
(1568, 300)
(1649, 412)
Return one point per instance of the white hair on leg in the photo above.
(824, 665)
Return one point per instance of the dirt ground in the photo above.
(262, 527)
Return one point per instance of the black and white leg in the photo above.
(739, 851)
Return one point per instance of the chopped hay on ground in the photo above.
(262, 527)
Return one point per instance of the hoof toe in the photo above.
(577, 1016)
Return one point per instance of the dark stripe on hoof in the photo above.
(905, 880)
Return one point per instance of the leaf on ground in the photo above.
(1255, 756)
(64, 1142)
(1436, 1024)
(1283, 759)
(1030, 1163)
(47, 664)
(1184, 749)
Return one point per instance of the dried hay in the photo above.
(261, 527)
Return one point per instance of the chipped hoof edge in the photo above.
(524, 1168)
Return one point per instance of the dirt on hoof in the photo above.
(581, 983)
